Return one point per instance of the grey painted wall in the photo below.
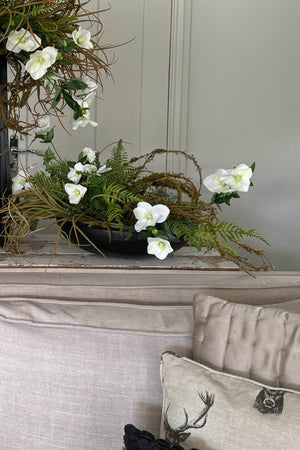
(244, 106)
(243, 100)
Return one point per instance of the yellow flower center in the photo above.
(238, 178)
(148, 216)
(162, 245)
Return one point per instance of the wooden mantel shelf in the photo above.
(39, 247)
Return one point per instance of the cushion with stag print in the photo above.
(208, 409)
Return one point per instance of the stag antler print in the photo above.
(180, 434)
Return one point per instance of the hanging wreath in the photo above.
(54, 58)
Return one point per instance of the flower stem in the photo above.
(56, 152)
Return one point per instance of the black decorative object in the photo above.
(110, 241)
(5, 176)
(269, 401)
(135, 439)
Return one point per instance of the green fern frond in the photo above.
(122, 171)
(226, 229)
(114, 213)
(117, 193)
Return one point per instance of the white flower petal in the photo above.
(22, 40)
(149, 215)
(44, 125)
(239, 178)
(82, 38)
(19, 182)
(40, 61)
(159, 247)
(89, 168)
(163, 212)
(83, 121)
(75, 192)
(79, 167)
(217, 182)
(103, 169)
(74, 176)
(89, 153)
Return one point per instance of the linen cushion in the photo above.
(209, 410)
(261, 291)
(261, 343)
(73, 373)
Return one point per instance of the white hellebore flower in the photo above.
(22, 40)
(217, 182)
(239, 178)
(88, 168)
(74, 176)
(91, 85)
(90, 154)
(83, 121)
(103, 169)
(75, 192)
(44, 125)
(40, 61)
(82, 38)
(159, 247)
(84, 101)
(149, 215)
(85, 97)
(19, 182)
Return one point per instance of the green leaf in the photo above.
(49, 154)
(65, 62)
(167, 232)
(48, 157)
(68, 48)
(39, 153)
(46, 138)
(144, 234)
(57, 96)
(252, 167)
(78, 113)
(74, 85)
(96, 203)
(70, 101)
(218, 199)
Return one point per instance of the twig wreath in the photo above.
(50, 54)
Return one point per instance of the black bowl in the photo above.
(111, 241)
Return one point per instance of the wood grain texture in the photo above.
(38, 249)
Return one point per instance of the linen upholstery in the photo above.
(262, 343)
(239, 413)
(147, 286)
(74, 373)
(56, 350)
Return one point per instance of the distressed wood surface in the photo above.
(37, 251)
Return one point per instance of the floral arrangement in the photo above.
(50, 52)
(126, 195)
